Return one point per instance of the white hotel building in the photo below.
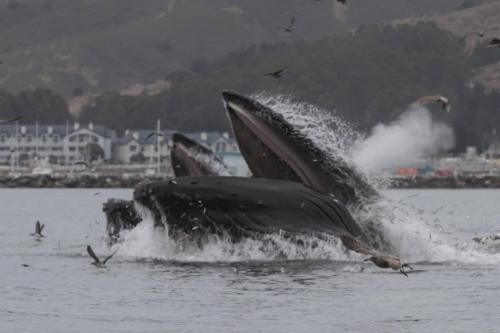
(66, 144)
(60, 144)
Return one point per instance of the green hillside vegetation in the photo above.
(95, 45)
(367, 78)
(40, 105)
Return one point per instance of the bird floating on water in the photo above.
(97, 262)
(445, 102)
(38, 230)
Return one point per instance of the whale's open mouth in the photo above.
(273, 148)
(266, 152)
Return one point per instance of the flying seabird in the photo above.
(97, 262)
(495, 42)
(276, 74)
(445, 102)
(6, 121)
(288, 28)
(151, 134)
(38, 229)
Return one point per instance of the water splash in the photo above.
(410, 236)
(414, 135)
(146, 241)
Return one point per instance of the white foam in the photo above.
(412, 136)
(145, 241)
(407, 233)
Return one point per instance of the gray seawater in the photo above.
(455, 286)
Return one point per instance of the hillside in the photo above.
(367, 77)
(466, 24)
(77, 46)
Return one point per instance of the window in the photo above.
(72, 139)
(55, 138)
(29, 138)
(71, 148)
(132, 148)
(44, 137)
(3, 137)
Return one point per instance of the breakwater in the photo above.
(86, 181)
(93, 181)
(446, 182)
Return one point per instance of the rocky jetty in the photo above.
(86, 181)
(447, 182)
(93, 181)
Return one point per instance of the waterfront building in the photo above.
(59, 144)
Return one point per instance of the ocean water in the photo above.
(152, 285)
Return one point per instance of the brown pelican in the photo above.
(379, 259)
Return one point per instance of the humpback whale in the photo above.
(242, 207)
(273, 148)
(238, 208)
(189, 158)
(296, 188)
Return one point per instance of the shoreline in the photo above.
(90, 181)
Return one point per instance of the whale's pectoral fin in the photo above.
(379, 259)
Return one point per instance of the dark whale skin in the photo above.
(242, 207)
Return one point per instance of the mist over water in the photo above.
(412, 136)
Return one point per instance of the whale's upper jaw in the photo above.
(273, 148)
(264, 141)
